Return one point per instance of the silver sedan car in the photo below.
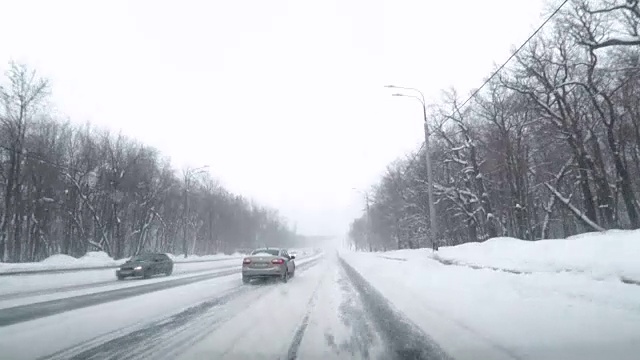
(268, 263)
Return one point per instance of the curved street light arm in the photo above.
(424, 102)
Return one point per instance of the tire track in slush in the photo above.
(292, 353)
(195, 332)
(168, 335)
(404, 339)
(298, 334)
(117, 344)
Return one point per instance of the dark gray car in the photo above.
(145, 266)
(268, 263)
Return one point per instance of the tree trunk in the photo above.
(605, 198)
(628, 195)
(8, 207)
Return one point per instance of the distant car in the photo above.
(268, 263)
(145, 266)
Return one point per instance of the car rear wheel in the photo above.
(120, 277)
(168, 272)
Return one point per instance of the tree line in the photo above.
(71, 189)
(549, 148)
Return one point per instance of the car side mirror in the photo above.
(292, 257)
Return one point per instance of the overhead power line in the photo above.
(515, 52)
(475, 92)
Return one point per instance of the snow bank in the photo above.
(613, 253)
(59, 259)
(60, 262)
(97, 258)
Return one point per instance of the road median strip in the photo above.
(88, 268)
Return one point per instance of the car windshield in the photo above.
(360, 179)
(273, 252)
(146, 257)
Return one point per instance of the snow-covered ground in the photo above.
(568, 304)
(612, 254)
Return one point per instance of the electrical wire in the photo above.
(475, 93)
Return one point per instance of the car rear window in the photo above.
(273, 252)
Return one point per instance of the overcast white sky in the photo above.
(283, 99)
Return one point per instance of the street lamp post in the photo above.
(427, 135)
(187, 183)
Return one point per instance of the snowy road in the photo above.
(16, 314)
(327, 311)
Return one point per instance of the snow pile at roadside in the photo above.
(59, 259)
(92, 259)
(484, 314)
(98, 258)
(613, 253)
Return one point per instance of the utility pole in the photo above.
(432, 206)
(432, 202)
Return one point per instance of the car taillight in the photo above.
(277, 261)
(246, 261)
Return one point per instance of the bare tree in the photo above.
(20, 100)
(549, 149)
(73, 189)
